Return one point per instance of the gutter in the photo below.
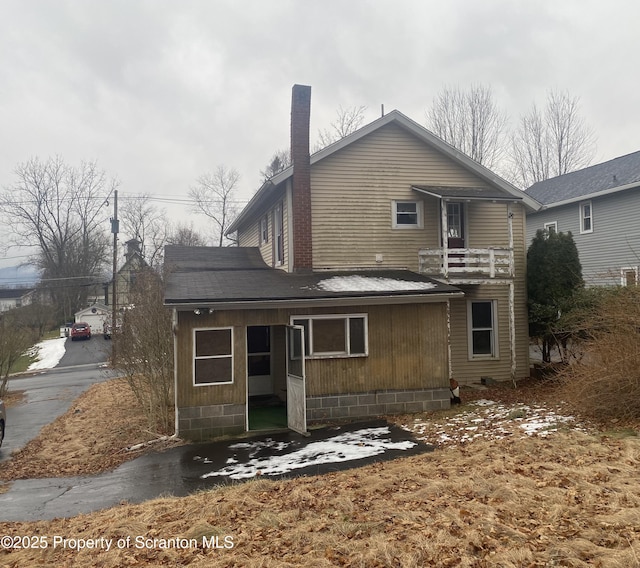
(314, 302)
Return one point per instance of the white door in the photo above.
(296, 390)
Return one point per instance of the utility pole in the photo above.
(115, 227)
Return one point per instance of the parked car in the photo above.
(80, 330)
(3, 421)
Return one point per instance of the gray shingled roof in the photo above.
(471, 193)
(210, 275)
(616, 173)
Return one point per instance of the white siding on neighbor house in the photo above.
(352, 200)
(614, 242)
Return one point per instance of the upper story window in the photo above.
(586, 217)
(213, 356)
(264, 230)
(407, 215)
(278, 232)
(551, 227)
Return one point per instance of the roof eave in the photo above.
(183, 305)
(589, 196)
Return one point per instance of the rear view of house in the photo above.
(368, 275)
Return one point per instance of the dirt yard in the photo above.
(515, 482)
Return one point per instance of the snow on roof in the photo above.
(371, 284)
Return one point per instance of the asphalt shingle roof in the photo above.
(207, 275)
(618, 172)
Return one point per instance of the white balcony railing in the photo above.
(467, 262)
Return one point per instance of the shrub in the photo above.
(143, 349)
(605, 383)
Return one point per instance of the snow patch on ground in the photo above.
(491, 420)
(370, 284)
(48, 353)
(356, 445)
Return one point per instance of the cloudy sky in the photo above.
(159, 91)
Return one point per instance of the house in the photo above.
(599, 205)
(126, 275)
(95, 316)
(11, 298)
(367, 276)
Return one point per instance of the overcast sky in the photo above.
(159, 92)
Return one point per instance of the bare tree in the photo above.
(551, 142)
(144, 345)
(348, 121)
(58, 209)
(143, 221)
(185, 235)
(214, 196)
(280, 161)
(16, 336)
(471, 122)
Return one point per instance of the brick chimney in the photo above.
(301, 191)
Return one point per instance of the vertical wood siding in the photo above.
(407, 350)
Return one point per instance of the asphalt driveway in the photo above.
(186, 469)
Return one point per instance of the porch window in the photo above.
(482, 322)
(334, 335)
(407, 214)
(213, 356)
(586, 217)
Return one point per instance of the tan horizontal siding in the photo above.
(463, 369)
(352, 193)
(487, 224)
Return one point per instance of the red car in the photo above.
(80, 330)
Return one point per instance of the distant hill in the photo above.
(18, 276)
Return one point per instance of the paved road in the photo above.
(50, 393)
(186, 469)
(85, 351)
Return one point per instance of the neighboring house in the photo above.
(126, 276)
(391, 260)
(95, 316)
(11, 298)
(600, 206)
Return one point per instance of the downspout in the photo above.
(512, 298)
(445, 240)
(174, 330)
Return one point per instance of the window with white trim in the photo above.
(278, 231)
(551, 227)
(213, 356)
(483, 329)
(629, 276)
(334, 335)
(407, 215)
(264, 230)
(586, 217)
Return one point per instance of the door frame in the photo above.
(296, 380)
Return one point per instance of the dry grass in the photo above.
(573, 500)
(91, 437)
(570, 499)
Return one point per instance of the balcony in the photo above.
(467, 263)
